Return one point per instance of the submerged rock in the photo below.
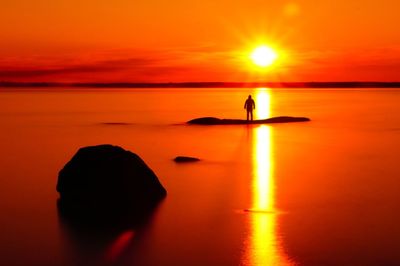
(217, 121)
(185, 159)
(107, 179)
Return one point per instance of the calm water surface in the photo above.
(326, 192)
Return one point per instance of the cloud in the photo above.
(95, 67)
(378, 64)
(179, 63)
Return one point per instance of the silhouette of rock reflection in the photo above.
(94, 238)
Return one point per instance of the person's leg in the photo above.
(251, 114)
(247, 115)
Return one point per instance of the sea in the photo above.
(323, 192)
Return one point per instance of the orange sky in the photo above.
(208, 40)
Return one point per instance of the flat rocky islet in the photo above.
(272, 120)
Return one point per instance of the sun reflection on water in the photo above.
(263, 247)
(263, 103)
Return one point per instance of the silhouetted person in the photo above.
(249, 105)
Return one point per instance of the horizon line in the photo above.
(193, 84)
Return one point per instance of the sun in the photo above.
(263, 56)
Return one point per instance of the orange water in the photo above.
(324, 192)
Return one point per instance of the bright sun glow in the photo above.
(263, 56)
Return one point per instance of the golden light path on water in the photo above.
(263, 247)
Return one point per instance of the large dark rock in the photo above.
(217, 121)
(107, 179)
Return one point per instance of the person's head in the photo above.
(249, 96)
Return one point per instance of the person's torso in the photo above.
(249, 104)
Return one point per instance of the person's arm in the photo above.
(254, 105)
(245, 103)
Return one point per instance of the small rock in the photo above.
(186, 159)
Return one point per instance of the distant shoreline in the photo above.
(351, 84)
